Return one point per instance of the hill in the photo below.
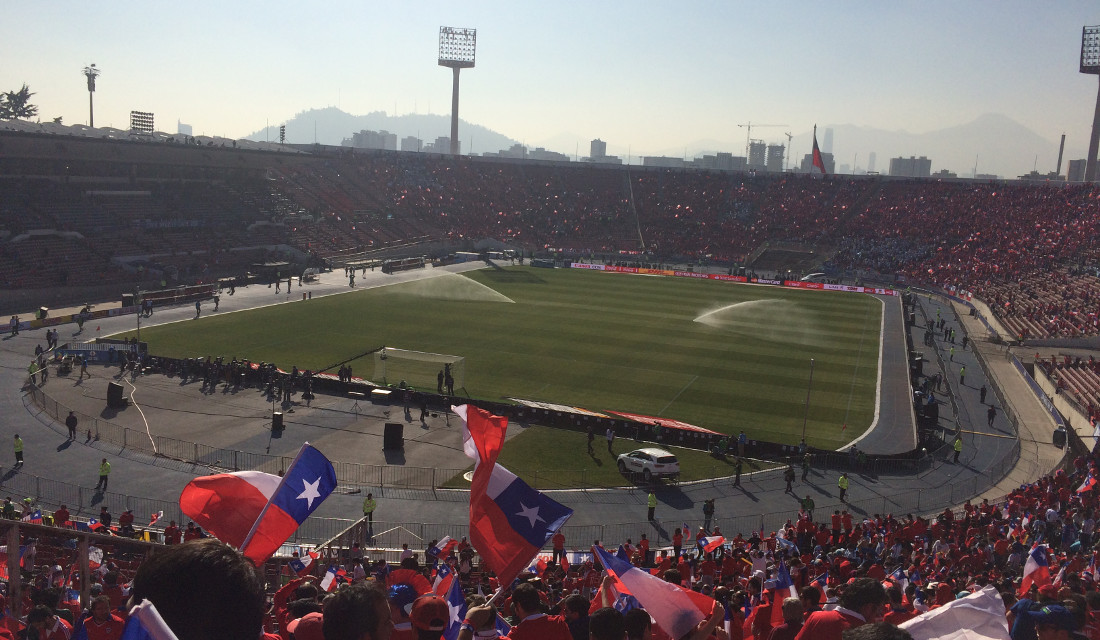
(331, 125)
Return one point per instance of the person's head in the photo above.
(865, 596)
(674, 576)
(1057, 621)
(792, 610)
(40, 617)
(206, 576)
(526, 598)
(100, 608)
(358, 612)
(430, 615)
(637, 624)
(574, 607)
(876, 631)
(307, 627)
(606, 624)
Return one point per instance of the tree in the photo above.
(17, 104)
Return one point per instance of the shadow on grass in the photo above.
(513, 275)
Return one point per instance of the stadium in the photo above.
(671, 307)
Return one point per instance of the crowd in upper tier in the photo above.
(1030, 250)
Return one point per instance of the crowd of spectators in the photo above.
(1029, 249)
(847, 570)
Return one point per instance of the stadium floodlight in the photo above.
(141, 122)
(457, 48)
(1090, 63)
(91, 72)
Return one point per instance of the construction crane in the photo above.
(787, 156)
(748, 133)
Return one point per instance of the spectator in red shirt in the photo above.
(61, 517)
(102, 624)
(861, 602)
(559, 546)
(172, 533)
(533, 624)
(792, 621)
(47, 625)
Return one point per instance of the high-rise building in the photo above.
(871, 162)
(597, 149)
(410, 143)
(183, 129)
(442, 144)
(911, 167)
(757, 154)
(775, 158)
(827, 146)
(1076, 170)
(826, 159)
(372, 140)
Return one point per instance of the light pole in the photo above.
(1090, 63)
(810, 386)
(91, 72)
(456, 50)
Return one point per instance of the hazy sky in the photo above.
(651, 75)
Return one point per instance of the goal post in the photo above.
(418, 369)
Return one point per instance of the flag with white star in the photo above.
(509, 521)
(257, 511)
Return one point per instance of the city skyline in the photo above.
(643, 76)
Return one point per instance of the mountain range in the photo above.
(992, 143)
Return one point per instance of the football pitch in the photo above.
(720, 355)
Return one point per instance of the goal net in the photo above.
(417, 369)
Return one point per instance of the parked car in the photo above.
(650, 462)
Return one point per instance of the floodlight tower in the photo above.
(1090, 63)
(456, 50)
(91, 72)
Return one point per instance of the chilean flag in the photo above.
(456, 606)
(333, 578)
(819, 163)
(443, 548)
(444, 578)
(257, 511)
(155, 518)
(676, 611)
(1089, 483)
(1036, 570)
(304, 564)
(145, 623)
(710, 543)
(509, 521)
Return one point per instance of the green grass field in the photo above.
(720, 355)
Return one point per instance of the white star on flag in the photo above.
(310, 492)
(456, 612)
(531, 513)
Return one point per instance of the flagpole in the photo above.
(282, 481)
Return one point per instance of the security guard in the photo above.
(369, 505)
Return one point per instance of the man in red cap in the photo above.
(308, 627)
(430, 617)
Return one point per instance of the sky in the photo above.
(644, 76)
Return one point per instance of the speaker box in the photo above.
(276, 420)
(114, 396)
(393, 436)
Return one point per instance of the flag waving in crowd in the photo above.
(255, 511)
(509, 521)
(677, 611)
